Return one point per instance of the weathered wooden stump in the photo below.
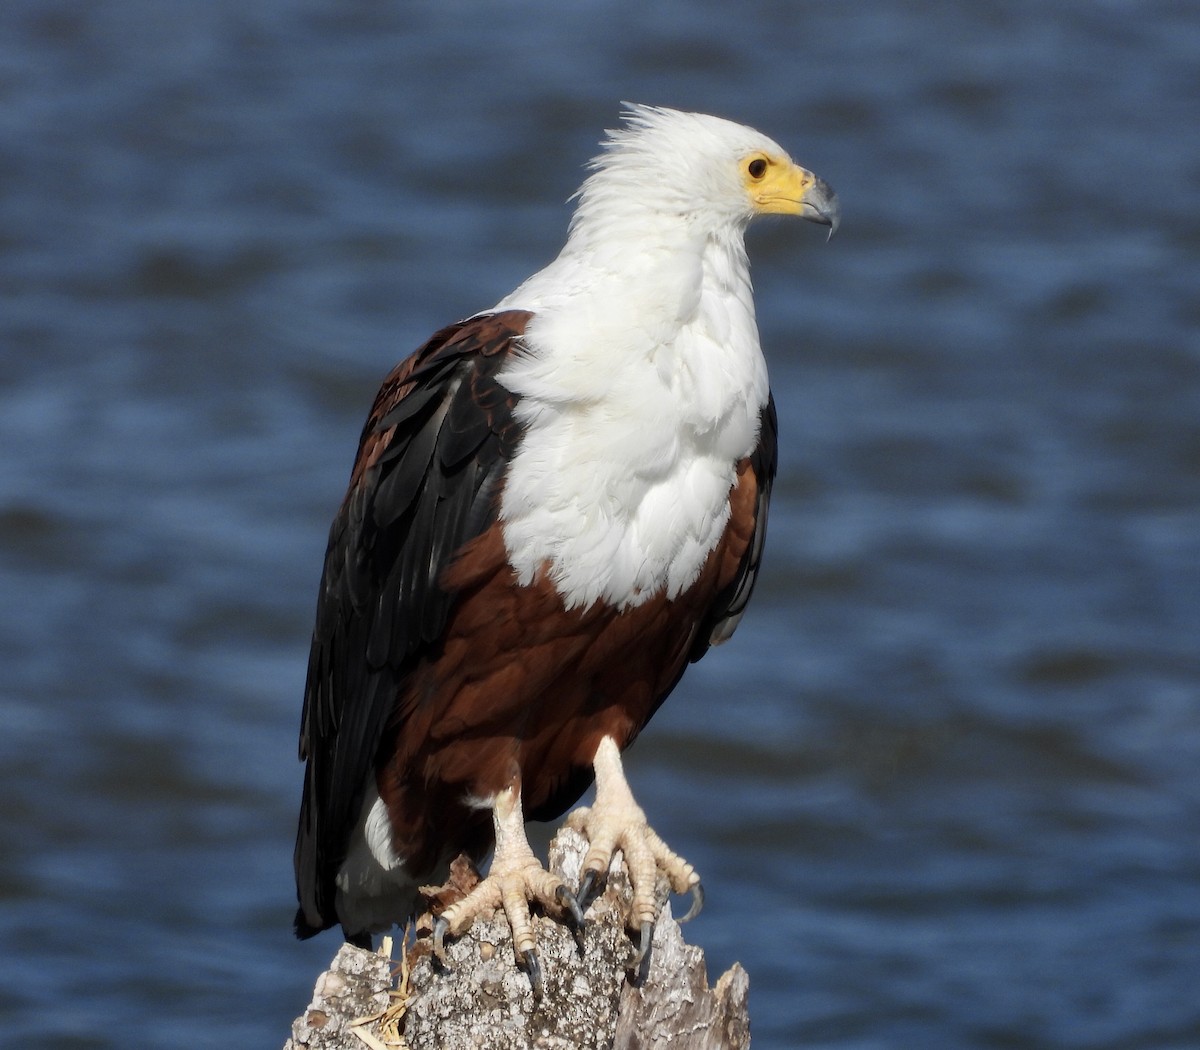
(482, 999)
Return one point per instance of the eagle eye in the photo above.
(757, 168)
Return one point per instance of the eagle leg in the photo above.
(515, 878)
(615, 822)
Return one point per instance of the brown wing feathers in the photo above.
(436, 439)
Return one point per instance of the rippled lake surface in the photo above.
(943, 785)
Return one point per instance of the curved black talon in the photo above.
(535, 971)
(586, 885)
(440, 928)
(571, 903)
(647, 935)
(697, 904)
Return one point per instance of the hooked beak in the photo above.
(820, 205)
(788, 189)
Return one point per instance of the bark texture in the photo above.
(484, 999)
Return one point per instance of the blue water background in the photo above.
(944, 785)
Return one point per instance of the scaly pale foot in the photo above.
(615, 822)
(515, 878)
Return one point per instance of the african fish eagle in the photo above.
(557, 504)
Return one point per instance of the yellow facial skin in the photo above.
(776, 186)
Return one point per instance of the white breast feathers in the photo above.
(641, 388)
